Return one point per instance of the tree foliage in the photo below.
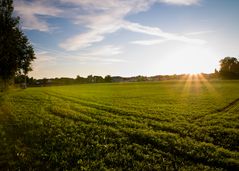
(229, 68)
(108, 78)
(16, 52)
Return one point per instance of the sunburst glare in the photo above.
(194, 82)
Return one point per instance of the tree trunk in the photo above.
(4, 85)
(25, 81)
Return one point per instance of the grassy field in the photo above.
(168, 125)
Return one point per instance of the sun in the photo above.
(192, 59)
(194, 73)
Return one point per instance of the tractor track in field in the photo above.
(164, 148)
(109, 109)
(118, 124)
(137, 138)
(228, 107)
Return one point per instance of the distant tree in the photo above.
(16, 53)
(229, 68)
(19, 79)
(44, 81)
(215, 74)
(108, 79)
(31, 81)
(98, 79)
(90, 79)
(141, 78)
(80, 79)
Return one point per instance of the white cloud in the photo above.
(149, 42)
(106, 53)
(159, 33)
(43, 60)
(135, 27)
(108, 50)
(108, 17)
(81, 41)
(99, 17)
(181, 2)
(86, 59)
(30, 12)
(98, 25)
(44, 57)
(199, 33)
(158, 41)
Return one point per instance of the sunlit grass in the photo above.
(199, 82)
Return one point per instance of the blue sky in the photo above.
(129, 37)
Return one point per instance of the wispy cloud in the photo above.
(149, 42)
(181, 2)
(100, 18)
(158, 41)
(44, 57)
(82, 41)
(199, 33)
(164, 36)
(108, 53)
(159, 33)
(86, 59)
(31, 13)
(108, 17)
(108, 50)
(44, 60)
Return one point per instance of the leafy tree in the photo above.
(26, 57)
(19, 78)
(80, 79)
(229, 68)
(16, 53)
(141, 78)
(98, 79)
(90, 79)
(108, 78)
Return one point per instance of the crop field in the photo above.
(167, 125)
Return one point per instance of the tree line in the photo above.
(61, 81)
(229, 69)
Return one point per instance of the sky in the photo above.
(128, 37)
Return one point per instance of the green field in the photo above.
(168, 125)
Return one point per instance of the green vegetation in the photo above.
(16, 52)
(229, 68)
(169, 125)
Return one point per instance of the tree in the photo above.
(108, 79)
(26, 57)
(80, 79)
(90, 79)
(229, 68)
(98, 79)
(16, 53)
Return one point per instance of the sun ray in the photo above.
(207, 84)
(194, 84)
(187, 84)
